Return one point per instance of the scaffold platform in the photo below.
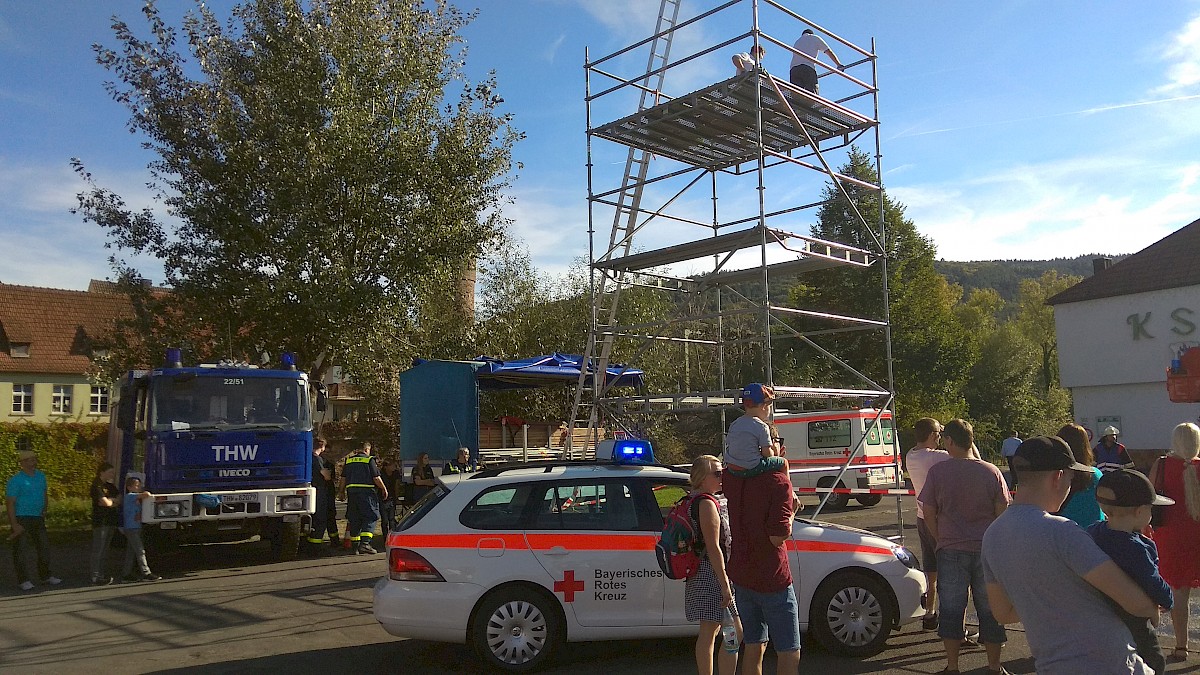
(714, 127)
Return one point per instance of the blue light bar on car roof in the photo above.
(633, 451)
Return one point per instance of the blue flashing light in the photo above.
(288, 359)
(633, 451)
(174, 357)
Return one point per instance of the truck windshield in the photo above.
(189, 401)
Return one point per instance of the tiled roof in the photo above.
(1168, 263)
(60, 327)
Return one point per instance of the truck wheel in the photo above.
(852, 615)
(285, 541)
(868, 500)
(517, 629)
(837, 501)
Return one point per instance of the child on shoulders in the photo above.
(750, 447)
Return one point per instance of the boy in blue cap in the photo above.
(750, 448)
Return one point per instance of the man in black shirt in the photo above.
(324, 517)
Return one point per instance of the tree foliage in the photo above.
(931, 352)
(327, 174)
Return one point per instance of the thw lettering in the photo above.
(233, 453)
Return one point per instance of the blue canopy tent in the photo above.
(439, 400)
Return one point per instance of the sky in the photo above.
(1012, 129)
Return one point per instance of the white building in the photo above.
(1117, 333)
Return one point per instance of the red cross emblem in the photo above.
(568, 586)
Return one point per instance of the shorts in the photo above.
(769, 617)
(805, 77)
(928, 547)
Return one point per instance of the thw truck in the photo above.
(226, 450)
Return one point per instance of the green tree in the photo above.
(932, 352)
(327, 173)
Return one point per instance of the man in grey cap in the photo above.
(1045, 572)
(25, 497)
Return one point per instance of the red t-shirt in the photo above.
(759, 507)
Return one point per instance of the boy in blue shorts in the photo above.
(1126, 496)
(750, 448)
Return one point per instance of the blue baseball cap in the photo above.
(757, 394)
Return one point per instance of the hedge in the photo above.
(68, 453)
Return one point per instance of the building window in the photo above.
(60, 402)
(99, 405)
(22, 399)
(19, 350)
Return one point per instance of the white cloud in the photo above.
(47, 245)
(1061, 209)
(552, 50)
(1182, 55)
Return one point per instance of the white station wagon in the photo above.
(521, 559)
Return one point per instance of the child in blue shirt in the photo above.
(1126, 496)
(131, 519)
(750, 448)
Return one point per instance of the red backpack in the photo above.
(680, 545)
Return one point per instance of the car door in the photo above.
(586, 534)
(663, 495)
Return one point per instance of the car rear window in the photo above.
(423, 506)
(497, 508)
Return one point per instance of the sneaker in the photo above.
(150, 577)
(53, 581)
(27, 585)
(102, 581)
(367, 548)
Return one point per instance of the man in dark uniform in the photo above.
(393, 480)
(462, 464)
(323, 518)
(361, 478)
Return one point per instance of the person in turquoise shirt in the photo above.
(1081, 505)
(25, 497)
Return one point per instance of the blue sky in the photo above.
(1011, 129)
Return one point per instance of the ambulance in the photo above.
(825, 439)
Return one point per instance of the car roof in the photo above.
(558, 470)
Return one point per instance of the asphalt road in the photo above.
(225, 609)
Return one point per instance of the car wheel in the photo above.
(837, 501)
(852, 615)
(868, 500)
(517, 629)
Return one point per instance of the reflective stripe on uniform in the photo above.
(360, 485)
(313, 540)
(366, 535)
(355, 459)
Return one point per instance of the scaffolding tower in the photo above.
(708, 190)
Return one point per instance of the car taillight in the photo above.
(405, 565)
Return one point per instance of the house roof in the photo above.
(1168, 263)
(60, 327)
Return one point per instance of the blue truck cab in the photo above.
(226, 450)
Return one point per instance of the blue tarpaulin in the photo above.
(547, 370)
(439, 400)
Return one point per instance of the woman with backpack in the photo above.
(708, 593)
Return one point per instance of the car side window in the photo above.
(664, 495)
(585, 505)
(497, 508)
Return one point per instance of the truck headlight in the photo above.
(291, 503)
(168, 510)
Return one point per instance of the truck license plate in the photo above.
(233, 499)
